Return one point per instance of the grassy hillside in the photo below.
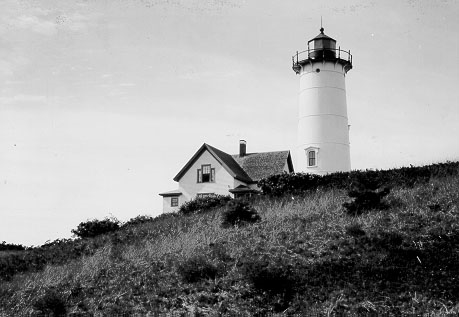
(305, 256)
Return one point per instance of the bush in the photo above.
(297, 183)
(137, 221)
(51, 304)
(294, 183)
(11, 247)
(364, 200)
(93, 228)
(267, 275)
(200, 204)
(355, 230)
(58, 252)
(239, 212)
(389, 240)
(197, 268)
(274, 276)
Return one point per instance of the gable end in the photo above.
(230, 165)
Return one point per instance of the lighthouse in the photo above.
(323, 128)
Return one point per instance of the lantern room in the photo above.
(322, 48)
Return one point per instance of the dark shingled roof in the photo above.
(261, 165)
(249, 169)
(242, 189)
(223, 158)
(171, 193)
(239, 173)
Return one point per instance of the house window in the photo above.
(312, 158)
(206, 174)
(174, 201)
(204, 195)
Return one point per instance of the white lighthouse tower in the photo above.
(323, 130)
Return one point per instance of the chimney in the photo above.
(242, 148)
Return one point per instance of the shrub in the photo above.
(387, 239)
(364, 200)
(138, 220)
(51, 303)
(220, 252)
(267, 275)
(200, 204)
(197, 268)
(59, 251)
(93, 228)
(274, 276)
(297, 183)
(355, 230)
(239, 212)
(294, 183)
(11, 247)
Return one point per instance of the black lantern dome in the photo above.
(322, 48)
(322, 44)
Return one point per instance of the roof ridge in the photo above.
(263, 152)
(233, 165)
(236, 165)
(262, 164)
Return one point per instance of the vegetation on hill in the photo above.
(303, 252)
(11, 247)
(297, 183)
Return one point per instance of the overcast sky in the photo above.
(102, 102)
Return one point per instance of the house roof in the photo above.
(249, 169)
(262, 165)
(171, 193)
(242, 189)
(223, 158)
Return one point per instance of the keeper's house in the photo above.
(211, 171)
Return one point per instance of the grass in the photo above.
(305, 256)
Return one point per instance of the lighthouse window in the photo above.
(317, 70)
(311, 158)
